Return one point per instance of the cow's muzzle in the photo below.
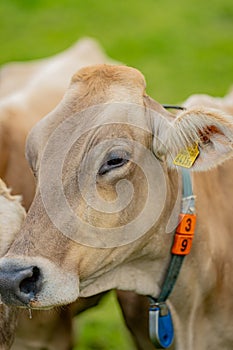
(36, 282)
(19, 286)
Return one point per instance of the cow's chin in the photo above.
(126, 277)
(55, 286)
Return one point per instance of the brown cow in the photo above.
(18, 112)
(104, 238)
(12, 215)
(23, 86)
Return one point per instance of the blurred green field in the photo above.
(102, 328)
(182, 47)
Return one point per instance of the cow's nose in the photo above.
(19, 286)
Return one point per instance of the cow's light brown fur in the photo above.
(29, 92)
(26, 87)
(201, 302)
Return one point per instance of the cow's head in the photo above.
(107, 191)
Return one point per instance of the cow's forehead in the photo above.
(101, 76)
(108, 126)
(80, 123)
(97, 95)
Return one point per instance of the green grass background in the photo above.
(182, 47)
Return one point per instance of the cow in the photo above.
(108, 199)
(22, 87)
(12, 215)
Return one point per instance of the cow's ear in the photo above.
(203, 135)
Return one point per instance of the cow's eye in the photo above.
(114, 160)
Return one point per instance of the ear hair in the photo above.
(193, 125)
(211, 129)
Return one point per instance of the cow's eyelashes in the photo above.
(112, 164)
(115, 160)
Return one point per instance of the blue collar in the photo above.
(160, 320)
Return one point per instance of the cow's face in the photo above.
(105, 196)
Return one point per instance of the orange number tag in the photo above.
(182, 244)
(184, 234)
(187, 223)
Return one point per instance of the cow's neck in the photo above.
(199, 263)
(202, 298)
(183, 239)
(160, 318)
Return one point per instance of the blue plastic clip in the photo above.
(160, 325)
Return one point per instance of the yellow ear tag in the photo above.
(187, 157)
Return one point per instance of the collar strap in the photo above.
(161, 328)
(173, 107)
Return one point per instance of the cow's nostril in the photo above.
(30, 285)
(20, 285)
